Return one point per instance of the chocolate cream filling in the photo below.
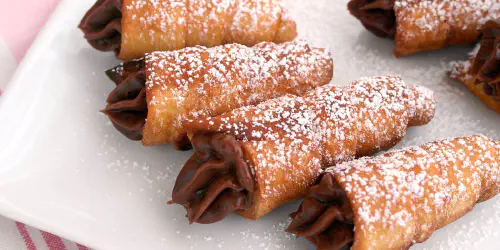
(102, 25)
(127, 107)
(215, 181)
(486, 65)
(127, 104)
(325, 216)
(378, 16)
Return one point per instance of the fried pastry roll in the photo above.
(421, 25)
(132, 28)
(481, 73)
(400, 198)
(168, 87)
(253, 159)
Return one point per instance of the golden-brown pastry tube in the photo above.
(133, 28)
(481, 73)
(421, 25)
(170, 86)
(400, 198)
(255, 158)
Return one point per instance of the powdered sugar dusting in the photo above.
(328, 125)
(200, 81)
(435, 24)
(417, 190)
(459, 14)
(175, 24)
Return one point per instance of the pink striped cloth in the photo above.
(20, 21)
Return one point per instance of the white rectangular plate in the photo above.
(65, 169)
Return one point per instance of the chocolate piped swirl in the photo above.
(102, 25)
(325, 216)
(378, 16)
(127, 106)
(215, 181)
(486, 65)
